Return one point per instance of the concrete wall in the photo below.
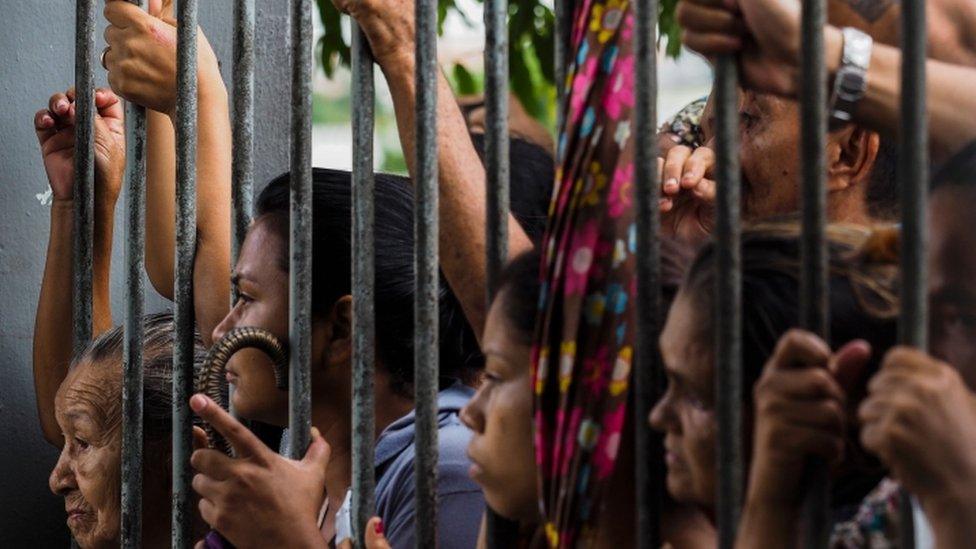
(37, 59)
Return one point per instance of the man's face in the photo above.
(952, 279)
(769, 140)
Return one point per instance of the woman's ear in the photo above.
(338, 332)
(851, 154)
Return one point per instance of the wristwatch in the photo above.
(851, 80)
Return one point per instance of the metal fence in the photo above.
(648, 374)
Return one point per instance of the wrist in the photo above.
(833, 51)
(63, 205)
(397, 60)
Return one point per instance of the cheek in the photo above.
(98, 475)
(699, 441)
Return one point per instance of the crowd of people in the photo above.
(534, 413)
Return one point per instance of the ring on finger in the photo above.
(102, 58)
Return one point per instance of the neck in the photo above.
(844, 207)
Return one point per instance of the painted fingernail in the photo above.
(379, 527)
(198, 402)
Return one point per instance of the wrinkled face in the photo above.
(500, 414)
(685, 414)
(952, 279)
(88, 471)
(769, 134)
(263, 289)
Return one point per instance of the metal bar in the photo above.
(300, 269)
(426, 268)
(363, 285)
(243, 169)
(186, 194)
(648, 374)
(135, 246)
(84, 195)
(814, 302)
(728, 310)
(913, 155)
(562, 27)
(496, 138)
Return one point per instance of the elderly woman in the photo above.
(80, 399)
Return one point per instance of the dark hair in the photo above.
(106, 351)
(960, 170)
(863, 293)
(518, 286)
(882, 191)
(394, 293)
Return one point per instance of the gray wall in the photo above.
(37, 59)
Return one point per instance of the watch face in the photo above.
(850, 84)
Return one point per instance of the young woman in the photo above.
(863, 307)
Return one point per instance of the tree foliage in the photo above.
(530, 39)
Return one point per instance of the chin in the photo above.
(258, 410)
(506, 505)
(680, 490)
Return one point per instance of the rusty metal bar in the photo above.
(562, 27)
(135, 247)
(728, 309)
(496, 138)
(363, 285)
(426, 347)
(183, 353)
(242, 190)
(814, 302)
(913, 157)
(183, 345)
(648, 373)
(300, 266)
(84, 194)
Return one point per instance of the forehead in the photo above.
(85, 389)
(682, 347)
(952, 242)
(262, 248)
(499, 339)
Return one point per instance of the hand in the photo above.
(55, 127)
(141, 56)
(374, 536)
(259, 499)
(800, 412)
(688, 216)
(765, 34)
(920, 420)
(389, 27)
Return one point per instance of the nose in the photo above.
(659, 414)
(62, 479)
(472, 415)
(225, 325)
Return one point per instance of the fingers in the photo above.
(698, 164)
(44, 125)
(801, 384)
(122, 14)
(208, 511)
(206, 486)
(200, 440)
(827, 415)
(200, 545)
(375, 538)
(109, 105)
(213, 463)
(711, 43)
(674, 166)
(704, 18)
(318, 452)
(799, 348)
(849, 363)
(239, 436)
(59, 104)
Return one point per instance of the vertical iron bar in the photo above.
(84, 195)
(300, 270)
(562, 28)
(913, 155)
(728, 310)
(135, 246)
(186, 195)
(648, 375)
(497, 165)
(243, 169)
(363, 285)
(496, 137)
(426, 268)
(814, 304)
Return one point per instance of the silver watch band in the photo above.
(851, 81)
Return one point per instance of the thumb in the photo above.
(849, 363)
(318, 452)
(155, 6)
(374, 534)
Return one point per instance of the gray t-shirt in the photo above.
(460, 503)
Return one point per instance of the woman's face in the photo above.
(88, 470)
(263, 289)
(500, 415)
(685, 414)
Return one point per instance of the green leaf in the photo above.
(464, 81)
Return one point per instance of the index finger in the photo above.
(239, 436)
(121, 14)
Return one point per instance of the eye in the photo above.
(244, 298)
(82, 444)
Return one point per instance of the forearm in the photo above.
(102, 266)
(211, 270)
(462, 194)
(160, 201)
(52, 349)
(949, 104)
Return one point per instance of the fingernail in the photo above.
(198, 402)
(675, 137)
(315, 432)
(671, 185)
(61, 106)
(379, 527)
